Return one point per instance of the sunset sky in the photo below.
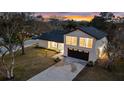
(87, 16)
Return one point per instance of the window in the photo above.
(86, 42)
(54, 44)
(82, 42)
(89, 43)
(71, 40)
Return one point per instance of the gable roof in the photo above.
(58, 35)
(92, 31)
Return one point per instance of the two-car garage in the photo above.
(78, 54)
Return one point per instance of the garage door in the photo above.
(78, 54)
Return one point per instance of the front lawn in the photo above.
(99, 73)
(33, 62)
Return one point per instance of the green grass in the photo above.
(33, 62)
(99, 73)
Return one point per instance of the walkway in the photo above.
(65, 70)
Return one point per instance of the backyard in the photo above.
(99, 73)
(33, 62)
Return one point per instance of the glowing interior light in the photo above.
(100, 51)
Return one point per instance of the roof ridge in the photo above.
(98, 34)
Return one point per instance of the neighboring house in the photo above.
(85, 43)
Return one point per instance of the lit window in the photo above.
(82, 42)
(54, 44)
(86, 42)
(89, 43)
(71, 40)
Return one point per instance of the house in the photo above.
(85, 43)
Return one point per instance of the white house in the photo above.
(85, 43)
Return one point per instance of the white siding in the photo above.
(99, 43)
(59, 46)
(78, 34)
(43, 43)
(93, 56)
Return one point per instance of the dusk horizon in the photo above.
(78, 16)
(77, 13)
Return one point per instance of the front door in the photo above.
(61, 47)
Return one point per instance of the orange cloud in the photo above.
(80, 18)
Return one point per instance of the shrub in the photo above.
(36, 45)
(57, 59)
(90, 64)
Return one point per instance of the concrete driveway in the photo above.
(65, 70)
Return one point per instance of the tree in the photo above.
(56, 23)
(70, 25)
(113, 50)
(9, 41)
(40, 17)
(110, 30)
(84, 23)
(107, 15)
(25, 21)
(99, 23)
(40, 27)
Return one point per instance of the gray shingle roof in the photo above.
(55, 35)
(58, 35)
(98, 34)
